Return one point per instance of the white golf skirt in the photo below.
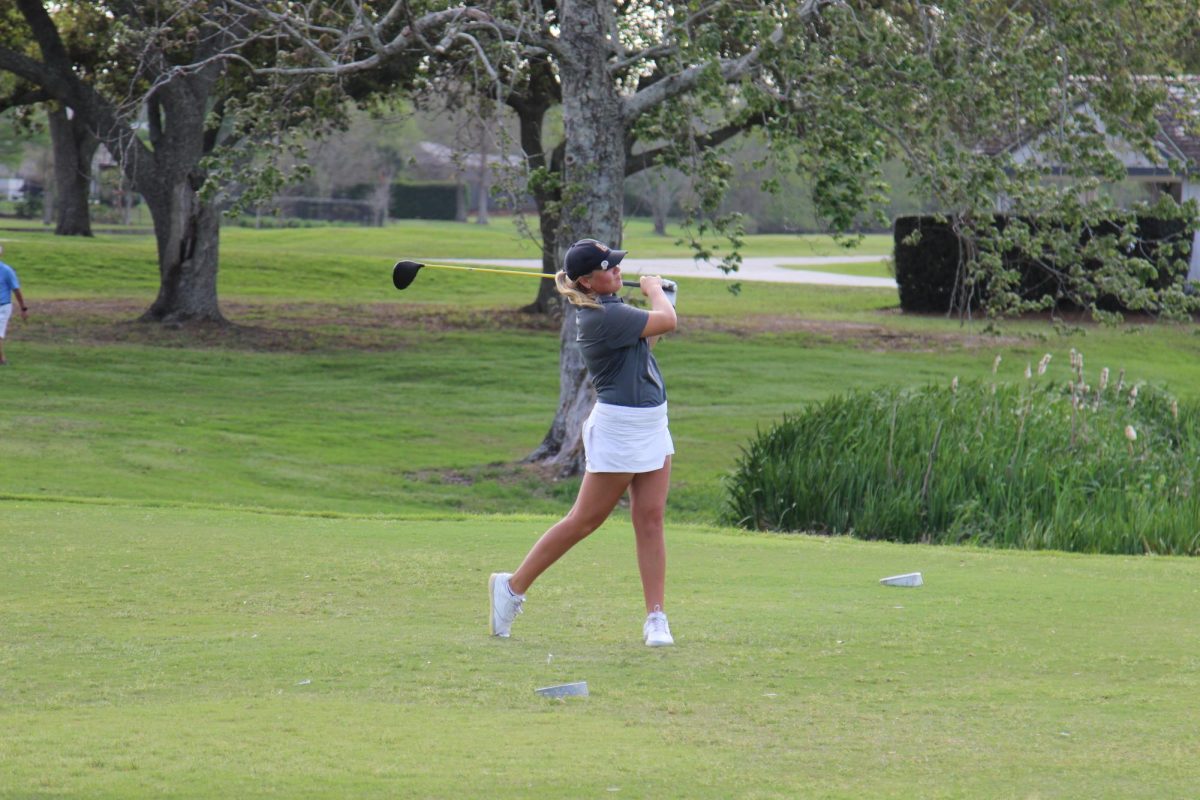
(626, 439)
(5, 313)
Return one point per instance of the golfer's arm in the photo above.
(20, 299)
(662, 316)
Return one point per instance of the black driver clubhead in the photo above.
(404, 273)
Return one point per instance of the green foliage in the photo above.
(1106, 266)
(17, 133)
(1109, 467)
(840, 93)
(29, 208)
(957, 88)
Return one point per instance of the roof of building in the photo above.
(1178, 138)
(1179, 120)
(440, 154)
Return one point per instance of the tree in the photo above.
(73, 143)
(168, 103)
(837, 88)
(85, 30)
(358, 164)
(165, 167)
(531, 93)
(73, 146)
(658, 190)
(531, 72)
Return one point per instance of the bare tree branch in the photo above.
(447, 27)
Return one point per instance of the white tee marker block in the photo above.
(907, 579)
(565, 690)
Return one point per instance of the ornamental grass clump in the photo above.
(1050, 461)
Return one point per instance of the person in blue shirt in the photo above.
(626, 441)
(10, 287)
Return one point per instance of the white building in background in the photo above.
(1176, 145)
(12, 189)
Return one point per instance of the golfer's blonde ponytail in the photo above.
(570, 290)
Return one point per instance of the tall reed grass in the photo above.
(1097, 465)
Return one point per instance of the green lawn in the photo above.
(502, 239)
(334, 262)
(337, 392)
(250, 561)
(154, 652)
(424, 419)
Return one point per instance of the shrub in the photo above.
(926, 270)
(1102, 468)
(931, 277)
(428, 200)
(29, 208)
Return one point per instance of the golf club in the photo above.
(405, 272)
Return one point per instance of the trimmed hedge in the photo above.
(424, 200)
(927, 272)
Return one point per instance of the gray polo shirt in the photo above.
(619, 360)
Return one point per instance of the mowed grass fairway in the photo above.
(217, 653)
(252, 561)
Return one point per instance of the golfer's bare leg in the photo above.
(598, 495)
(647, 504)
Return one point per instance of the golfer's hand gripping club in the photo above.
(669, 288)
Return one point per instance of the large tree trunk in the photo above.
(74, 145)
(188, 234)
(661, 206)
(170, 178)
(660, 219)
(594, 176)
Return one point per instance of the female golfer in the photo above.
(625, 440)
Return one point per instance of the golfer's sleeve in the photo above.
(623, 325)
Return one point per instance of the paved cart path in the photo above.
(753, 269)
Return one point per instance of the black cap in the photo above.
(587, 255)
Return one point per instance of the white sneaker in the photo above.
(505, 605)
(656, 632)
